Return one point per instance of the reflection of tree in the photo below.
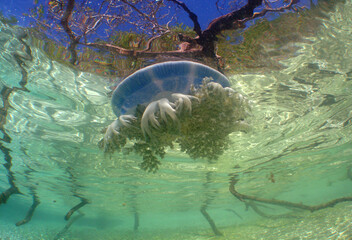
(65, 229)
(76, 187)
(349, 172)
(207, 202)
(5, 94)
(151, 19)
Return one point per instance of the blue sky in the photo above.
(206, 13)
(15, 8)
(205, 9)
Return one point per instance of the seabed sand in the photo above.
(334, 223)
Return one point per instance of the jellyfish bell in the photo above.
(161, 81)
(159, 87)
(168, 102)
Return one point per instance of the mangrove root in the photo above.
(30, 212)
(4, 196)
(210, 221)
(75, 208)
(283, 203)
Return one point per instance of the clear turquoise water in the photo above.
(301, 133)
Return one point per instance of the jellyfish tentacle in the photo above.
(230, 92)
(108, 138)
(149, 117)
(112, 129)
(216, 87)
(126, 120)
(166, 109)
(238, 99)
(183, 102)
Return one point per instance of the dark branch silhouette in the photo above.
(191, 15)
(66, 18)
(65, 24)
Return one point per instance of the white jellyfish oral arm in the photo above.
(183, 102)
(111, 131)
(164, 107)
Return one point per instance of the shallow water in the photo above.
(299, 150)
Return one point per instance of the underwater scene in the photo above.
(167, 119)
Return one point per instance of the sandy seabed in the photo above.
(332, 223)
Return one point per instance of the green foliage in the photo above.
(126, 39)
(12, 20)
(138, 41)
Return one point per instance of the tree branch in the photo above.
(227, 21)
(150, 41)
(66, 18)
(191, 15)
(137, 10)
(74, 40)
(280, 9)
(143, 53)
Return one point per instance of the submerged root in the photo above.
(200, 123)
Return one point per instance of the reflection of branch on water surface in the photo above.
(68, 225)
(5, 93)
(283, 203)
(75, 187)
(132, 192)
(349, 172)
(234, 212)
(207, 201)
(254, 206)
(136, 221)
(33, 192)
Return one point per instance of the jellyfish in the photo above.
(180, 102)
